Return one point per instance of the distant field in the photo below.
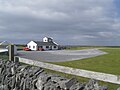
(108, 63)
(89, 47)
(20, 47)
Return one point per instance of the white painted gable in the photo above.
(46, 39)
(32, 45)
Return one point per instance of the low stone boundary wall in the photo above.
(79, 72)
(16, 76)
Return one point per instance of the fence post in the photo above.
(16, 59)
(11, 52)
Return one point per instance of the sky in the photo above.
(68, 22)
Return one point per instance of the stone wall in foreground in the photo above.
(14, 76)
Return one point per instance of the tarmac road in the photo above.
(60, 55)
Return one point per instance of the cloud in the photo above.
(68, 21)
(106, 34)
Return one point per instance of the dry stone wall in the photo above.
(16, 76)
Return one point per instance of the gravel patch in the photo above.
(60, 55)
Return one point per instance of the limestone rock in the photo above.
(14, 76)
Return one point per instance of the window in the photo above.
(33, 46)
(29, 46)
(47, 46)
(55, 47)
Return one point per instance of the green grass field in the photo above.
(89, 47)
(20, 47)
(3, 56)
(108, 63)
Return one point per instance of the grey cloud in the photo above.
(68, 21)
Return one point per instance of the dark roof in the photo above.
(45, 43)
(48, 37)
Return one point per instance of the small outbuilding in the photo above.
(46, 44)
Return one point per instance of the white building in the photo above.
(46, 44)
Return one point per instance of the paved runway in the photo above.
(60, 55)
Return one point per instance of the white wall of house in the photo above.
(54, 47)
(50, 47)
(44, 47)
(32, 45)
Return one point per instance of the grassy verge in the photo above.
(3, 56)
(20, 47)
(108, 63)
(78, 48)
(81, 79)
